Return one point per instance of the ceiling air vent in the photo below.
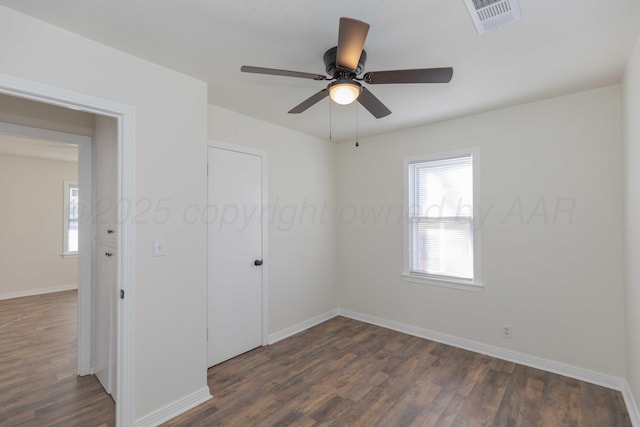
(492, 14)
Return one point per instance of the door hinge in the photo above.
(121, 293)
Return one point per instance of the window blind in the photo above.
(441, 218)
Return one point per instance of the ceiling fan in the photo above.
(344, 63)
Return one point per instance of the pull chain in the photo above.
(330, 124)
(357, 136)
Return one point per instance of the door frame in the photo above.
(125, 116)
(86, 231)
(212, 143)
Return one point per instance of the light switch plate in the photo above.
(158, 247)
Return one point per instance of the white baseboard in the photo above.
(497, 352)
(41, 291)
(302, 326)
(632, 407)
(174, 409)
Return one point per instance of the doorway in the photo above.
(41, 151)
(237, 274)
(85, 227)
(124, 118)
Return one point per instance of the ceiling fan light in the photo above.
(344, 92)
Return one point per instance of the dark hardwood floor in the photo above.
(38, 366)
(339, 373)
(348, 373)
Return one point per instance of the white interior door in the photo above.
(235, 244)
(113, 324)
(102, 319)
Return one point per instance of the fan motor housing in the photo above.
(333, 69)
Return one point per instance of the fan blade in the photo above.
(373, 104)
(351, 37)
(312, 100)
(286, 73)
(421, 75)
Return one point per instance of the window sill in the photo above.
(69, 254)
(444, 283)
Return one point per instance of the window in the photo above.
(70, 234)
(441, 238)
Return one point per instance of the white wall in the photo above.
(631, 92)
(31, 224)
(25, 112)
(105, 172)
(557, 282)
(302, 244)
(170, 138)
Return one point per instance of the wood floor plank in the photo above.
(348, 373)
(339, 373)
(39, 385)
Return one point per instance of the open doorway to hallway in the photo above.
(85, 330)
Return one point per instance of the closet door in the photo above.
(235, 255)
(105, 317)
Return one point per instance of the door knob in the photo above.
(257, 262)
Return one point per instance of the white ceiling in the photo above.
(559, 47)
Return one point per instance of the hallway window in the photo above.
(70, 236)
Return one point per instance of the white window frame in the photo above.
(449, 282)
(68, 185)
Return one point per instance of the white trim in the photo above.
(39, 291)
(125, 410)
(265, 250)
(212, 143)
(174, 409)
(125, 114)
(86, 229)
(302, 326)
(581, 374)
(632, 407)
(443, 283)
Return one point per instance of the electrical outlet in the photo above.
(506, 331)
